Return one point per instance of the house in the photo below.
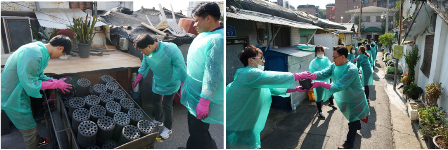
(428, 29)
(341, 6)
(258, 22)
(371, 21)
(17, 16)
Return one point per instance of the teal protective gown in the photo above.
(371, 57)
(168, 67)
(248, 100)
(22, 77)
(347, 90)
(366, 69)
(350, 57)
(318, 65)
(205, 75)
(374, 52)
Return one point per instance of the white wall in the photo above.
(439, 63)
(295, 36)
(107, 5)
(54, 4)
(327, 40)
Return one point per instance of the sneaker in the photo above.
(345, 146)
(321, 115)
(157, 123)
(334, 107)
(165, 133)
(42, 142)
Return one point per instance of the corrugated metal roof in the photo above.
(59, 18)
(253, 16)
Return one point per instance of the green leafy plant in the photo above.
(412, 90)
(411, 58)
(41, 33)
(36, 34)
(433, 92)
(387, 40)
(391, 70)
(83, 29)
(431, 118)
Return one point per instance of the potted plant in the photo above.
(431, 118)
(433, 92)
(412, 91)
(404, 79)
(441, 140)
(390, 72)
(411, 58)
(413, 110)
(83, 28)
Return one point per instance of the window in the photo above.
(366, 19)
(378, 18)
(17, 32)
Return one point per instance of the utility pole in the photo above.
(399, 43)
(387, 16)
(360, 19)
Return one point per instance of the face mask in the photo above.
(320, 55)
(353, 51)
(259, 66)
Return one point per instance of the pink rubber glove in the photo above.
(139, 77)
(60, 84)
(354, 60)
(53, 80)
(297, 89)
(301, 75)
(321, 84)
(202, 108)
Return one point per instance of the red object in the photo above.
(187, 24)
(365, 120)
(332, 8)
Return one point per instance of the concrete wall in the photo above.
(299, 64)
(439, 63)
(327, 40)
(107, 5)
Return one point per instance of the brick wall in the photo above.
(330, 13)
(344, 5)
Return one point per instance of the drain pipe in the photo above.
(37, 6)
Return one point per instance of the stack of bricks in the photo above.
(81, 5)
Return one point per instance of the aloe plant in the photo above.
(83, 29)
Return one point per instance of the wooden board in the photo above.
(115, 59)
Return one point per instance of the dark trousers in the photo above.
(199, 138)
(352, 129)
(366, 90)
(167, 108)
(319, 104)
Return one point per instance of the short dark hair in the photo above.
(248, 52)
(342, 50)
(62, 40)
(143, 40)
(359, 44)
(319, 48)
(368, 47)
(207, 8)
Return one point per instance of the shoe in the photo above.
(165, 133)
(334, 107)
(359, 127)
(42, 142)
(368, 101)
(345, 146)
(321, 115)
(157, 123)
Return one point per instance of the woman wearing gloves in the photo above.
(23, 77)
(248, 98)
(367, 71)
(352, 55)
(317, 64)
(347, 90)
(168, 66)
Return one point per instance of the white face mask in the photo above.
(353, 51)
(320, 55)
(258, 66)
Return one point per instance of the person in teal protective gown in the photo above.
(248, 98)
(352, 55)
(374, 47)
(168, 67)
(367, 71)
(347, 90)
(370, 52)
(23, 77)
(317, 64)
(203, 91)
